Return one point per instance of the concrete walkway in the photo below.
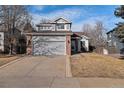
(51, 71)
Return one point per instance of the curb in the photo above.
(68, 67)
(11, 62)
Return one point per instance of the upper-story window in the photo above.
(60, 26)
(67, 26)
(41, 28)
(45, 28)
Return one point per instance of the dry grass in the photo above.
(4, 59)
(95, 65)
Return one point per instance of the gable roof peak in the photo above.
(62, 19)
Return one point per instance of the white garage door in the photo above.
(49, 45)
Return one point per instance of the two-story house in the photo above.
(50, 38)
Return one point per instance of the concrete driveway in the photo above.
(33, 71)
(38, 66)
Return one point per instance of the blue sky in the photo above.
(77, 14)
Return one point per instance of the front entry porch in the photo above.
(78, 46)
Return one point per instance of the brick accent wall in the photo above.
(68, 45)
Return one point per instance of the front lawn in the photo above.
(4, 59)
(95, 65)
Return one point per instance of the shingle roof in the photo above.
(111, 30)
(53, 22)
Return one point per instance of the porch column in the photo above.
(79, 45)
(87, 44)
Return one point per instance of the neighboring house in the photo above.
(114, 44)
(79, 42)
(51, 38)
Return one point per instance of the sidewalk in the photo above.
(59, 82)
(88, 83)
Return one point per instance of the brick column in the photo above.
(29, 46)
(68, 45)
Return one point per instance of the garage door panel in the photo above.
(48, 47)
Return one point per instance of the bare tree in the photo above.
(96, 33)
(12, 17)
(99, 34)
